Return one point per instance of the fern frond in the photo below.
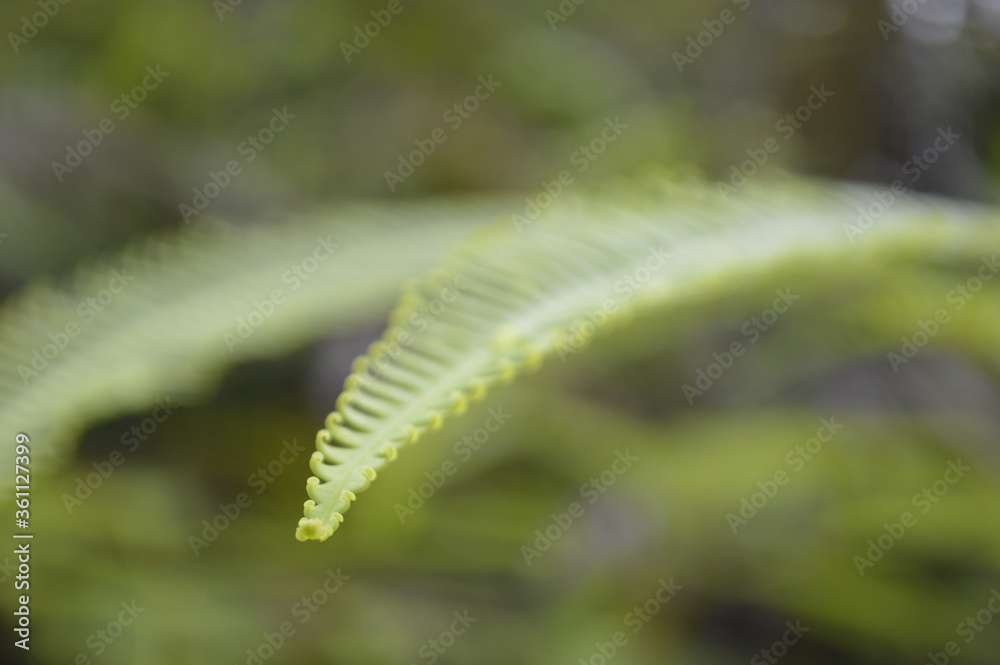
(66, 362)
(510, 297)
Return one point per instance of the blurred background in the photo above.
(120, 119)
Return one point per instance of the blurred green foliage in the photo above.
(665, 519)
(354, 119)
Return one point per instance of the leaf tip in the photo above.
(315, 529)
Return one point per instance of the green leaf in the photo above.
(161, 318)
(521, 291)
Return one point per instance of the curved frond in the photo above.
(165, 317)
(520, 291)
